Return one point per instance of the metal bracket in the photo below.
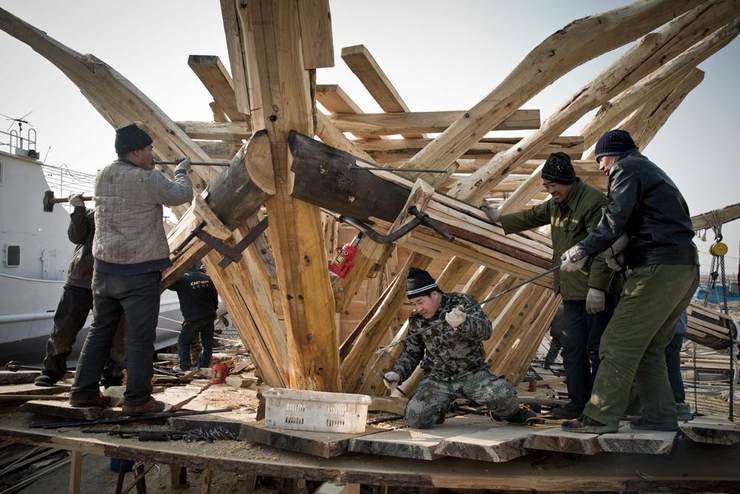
(419, 219)
(232, 253)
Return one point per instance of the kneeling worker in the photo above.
(445, 334)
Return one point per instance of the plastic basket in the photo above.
(317, 411)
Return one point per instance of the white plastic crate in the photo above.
(317, 411)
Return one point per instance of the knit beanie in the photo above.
(614, 143)
(131, 138)
(419, 283)
(559, 169)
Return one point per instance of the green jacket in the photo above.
(570, 223)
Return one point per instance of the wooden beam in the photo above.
(671, 72)
(725, 215)
(400, 150)
(433, 121)
(216, 131)
(316, 37)
(648, 55)
(569, 47)
(237, 57)
(217, 81)
(366, 68)
(645, 122)
(335, 100)
(276, 64)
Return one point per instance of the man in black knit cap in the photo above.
(445, 335)
(130, 251)
(590, 294)
(647, 219)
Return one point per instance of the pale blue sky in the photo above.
(440, 55)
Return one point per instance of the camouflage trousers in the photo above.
(429, 404)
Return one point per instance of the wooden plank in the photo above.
(316, 37)
(323, 444)
(431, 121)
(18, 377)
(418, 444)
(295, 227)
(711, 430)
(501, 443)
(556, 439)
(628, 440)
(63, 410)
(217, 81)
(32, 389)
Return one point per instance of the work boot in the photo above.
(565, 412)
(45, 381)
(683, 412)
(151, 406)
(586, 424)
(521, 416)
(640, 424)
(99, 401)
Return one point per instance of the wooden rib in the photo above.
(217, 81)
(237, 58)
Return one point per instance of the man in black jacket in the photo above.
(647, 218)
(198, 304)
(76, 302)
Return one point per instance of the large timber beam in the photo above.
(281, 101)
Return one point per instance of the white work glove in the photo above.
(456, 317)
(615, 263)
(76, 201)
(574, 259)
(493, 213)
(595, 301)
(183, 166)
(391, 379)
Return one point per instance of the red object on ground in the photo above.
(219, 373)
(342, 264)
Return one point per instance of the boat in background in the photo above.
(36, 252)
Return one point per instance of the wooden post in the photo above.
(178, 476)
(276, 69)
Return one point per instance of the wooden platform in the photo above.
(691, 466)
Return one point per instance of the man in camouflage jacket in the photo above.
(445, 335)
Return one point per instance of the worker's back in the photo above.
(197, 295)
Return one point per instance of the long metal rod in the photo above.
(194, 163)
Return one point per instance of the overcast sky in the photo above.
(440, 55)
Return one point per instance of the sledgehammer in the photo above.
(49, 200)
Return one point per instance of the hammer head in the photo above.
(48, 201)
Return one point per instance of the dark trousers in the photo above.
(69, 318)
(136, 299)
(673, 363)
(580, 339)
(190, 330)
